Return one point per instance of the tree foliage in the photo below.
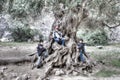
(92, 38)
(21, 34)
(22, 8)
(106, 10)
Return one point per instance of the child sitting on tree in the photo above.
(58, 37)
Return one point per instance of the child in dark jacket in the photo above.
(81, 47)
(41, 51)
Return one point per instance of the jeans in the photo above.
(39, 60)
(45, 54)
(60, 41)
(81, 56)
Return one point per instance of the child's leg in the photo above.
(63, 42)
(38, 61)
(56, 40)
(81, 56)
(45, 54)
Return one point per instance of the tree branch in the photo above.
(110, 27)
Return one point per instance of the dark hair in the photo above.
(40, 44)
(81, 39)
(41, 41)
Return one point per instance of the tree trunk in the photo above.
(66, 57)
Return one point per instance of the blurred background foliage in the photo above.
(23, 34)
(102, 13)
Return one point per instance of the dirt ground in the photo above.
(25, 72)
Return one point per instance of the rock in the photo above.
(39, 78)
(18, 78)
(75, 73)
(15, 48)
(99, 47)
(13, 75)
(102, 62)
(6, 37)
(1, 73)
(25, 77)
(4, 68)
(59, 72)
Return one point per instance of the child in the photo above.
(40, 54)
(57, 36)
(81, 47)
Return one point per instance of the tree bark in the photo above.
(66, 57)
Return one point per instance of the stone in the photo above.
(15, 48)
(75, 73)
(25, 77)
(39, 78)
(18, 78)
(4, 68)
(59, 72)
(6, 37)
(99, 47)
(13, 75)
(1, 73)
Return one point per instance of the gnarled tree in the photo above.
(68, 21)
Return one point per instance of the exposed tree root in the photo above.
(66, 58)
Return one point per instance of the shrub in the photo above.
(98, 37)
(21, 34)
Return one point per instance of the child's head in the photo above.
(57, 28)
(81, 40)
(41, 42)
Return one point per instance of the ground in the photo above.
(108, 68)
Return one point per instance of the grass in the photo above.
(112, 63)
(115, 44)
(104, 56)
(14, 43)
(106, 73)
(111, 58)
(115, 63)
